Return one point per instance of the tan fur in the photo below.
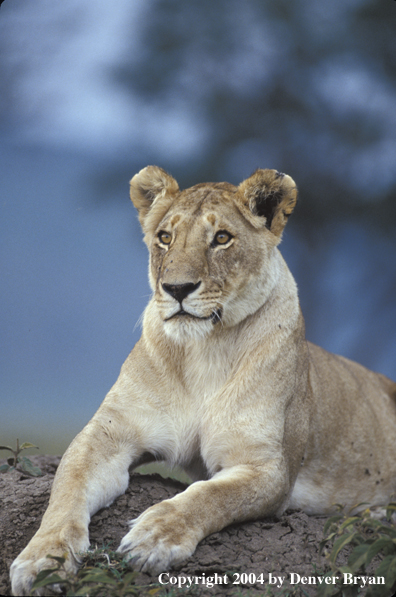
(223, 383)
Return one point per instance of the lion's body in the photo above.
(350, 453)
(224, 384)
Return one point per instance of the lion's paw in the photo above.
(32, 560)
(159, 538)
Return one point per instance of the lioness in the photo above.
(222, 383)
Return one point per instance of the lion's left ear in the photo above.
(149, 185)
(270, 195)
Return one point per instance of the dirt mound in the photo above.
(278, 546)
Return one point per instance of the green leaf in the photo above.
(6, 448)
(339, 544)
(84, 591)
(325, 590)
(388, 530)
(373, 523)
(358, 539)
(99, 576)
(326, 540)
(128, 578)
(349, 521)
(360, 504)
(330, 521)
(29, 467)
(385, 543)
(358, 557)
(5, 467)
(390, 509)
(45, 577)
(26, 445)
(387, 568)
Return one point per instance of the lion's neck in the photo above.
(203, 364)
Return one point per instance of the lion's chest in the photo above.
(193, 433)
(194, 407)
(207, 367)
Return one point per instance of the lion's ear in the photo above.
(148, 186)
(270, 195)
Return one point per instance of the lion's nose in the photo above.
(180, 291)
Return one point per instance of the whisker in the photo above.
(139, 321)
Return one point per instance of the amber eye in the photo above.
(165, 238)
(222, 237)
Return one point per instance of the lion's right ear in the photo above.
(147, 188)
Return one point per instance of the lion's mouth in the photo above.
(215, 316)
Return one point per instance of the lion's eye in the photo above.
(165, 238)
(222, 237)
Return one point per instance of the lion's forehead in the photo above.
(205, 195)
(206, 204)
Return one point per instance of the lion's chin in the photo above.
(184, 328)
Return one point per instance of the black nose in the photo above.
(180, 291)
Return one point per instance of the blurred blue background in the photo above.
(93, 91)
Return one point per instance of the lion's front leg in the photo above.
(168, 532)
(92, 473)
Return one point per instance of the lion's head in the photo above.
(211, 246)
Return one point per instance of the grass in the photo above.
(369, 547)
(21, 463)
(104, 573)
